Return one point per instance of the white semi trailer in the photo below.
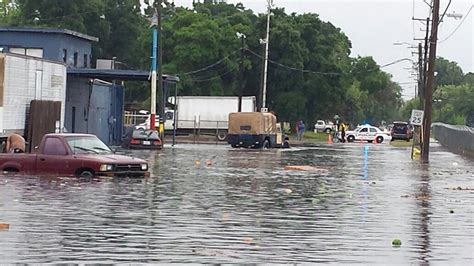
(205, 114)
(23, 79)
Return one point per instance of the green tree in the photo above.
(448, 73)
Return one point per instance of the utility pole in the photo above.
(242, 37)
(267, 41)
(425, 61)
(425, 150)
(154, 23)
(161, 97)
(260, 93)
(420, 71)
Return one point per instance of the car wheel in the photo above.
(350, 138)
(379, 139)
(327, 131)
(221, 135)
(266, 144)
(86, 173)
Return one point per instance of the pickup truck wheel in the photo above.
(327, 131)
(350, 138)
(85, 173)
(10, 171)
(379, 139)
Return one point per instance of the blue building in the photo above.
(70, 47)
(94, 98)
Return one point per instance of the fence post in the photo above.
(217, 132)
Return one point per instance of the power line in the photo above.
(293, 68)
(329, 73)
(454, 31)
(441, 20)
(213, 78)
(75, 14)
(211, 65)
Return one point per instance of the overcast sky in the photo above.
(374, 25)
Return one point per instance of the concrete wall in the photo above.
(458, 139)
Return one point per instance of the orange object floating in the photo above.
(303, 168)
(4, 226)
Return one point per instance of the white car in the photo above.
(368, 133)
(322, 126)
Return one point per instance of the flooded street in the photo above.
(214, 204)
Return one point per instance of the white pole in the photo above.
(267, 40)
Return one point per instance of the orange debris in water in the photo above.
(4, 226)
(303, 168)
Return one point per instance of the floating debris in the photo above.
(248, 240)
(305, 168)
(396, 243)
(4, 226)
(460, 188)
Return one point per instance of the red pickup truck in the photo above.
(81, 155)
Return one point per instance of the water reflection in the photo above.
(212, 204)
(423, 201)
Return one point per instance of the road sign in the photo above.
(416, 117)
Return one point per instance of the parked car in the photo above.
(142, 139)
(368, 133)
(323, 126)
(401, 131)
(70, 154)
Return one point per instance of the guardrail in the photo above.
(458, 139)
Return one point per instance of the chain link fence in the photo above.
(458, 139)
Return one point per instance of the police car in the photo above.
(368, 133)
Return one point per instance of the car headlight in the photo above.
(144, 166)
(106, 167)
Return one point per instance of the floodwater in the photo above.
(214, 204)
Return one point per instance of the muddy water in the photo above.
(213, 204)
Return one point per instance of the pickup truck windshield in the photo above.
(87, 144)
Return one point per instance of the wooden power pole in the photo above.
(425, 148)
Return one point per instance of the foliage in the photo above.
(453, 104)
(448, 73)
(200, 45)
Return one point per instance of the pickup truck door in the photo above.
(54, 158)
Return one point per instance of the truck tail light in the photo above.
(134, 141)
(157, 142)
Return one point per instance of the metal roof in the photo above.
(116, 74)
(51, 31)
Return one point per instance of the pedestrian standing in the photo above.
(297, 128)
(301, 129)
